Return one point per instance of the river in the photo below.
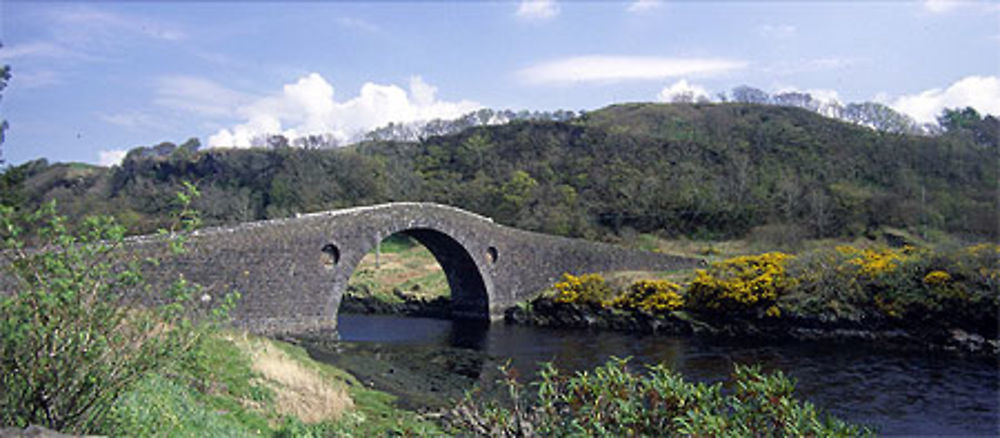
(897, 393)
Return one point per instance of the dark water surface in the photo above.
(900, 394)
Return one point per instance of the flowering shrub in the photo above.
(937, 278)
(875, 262)
(583, 289)
(651, 295)
(741, 284)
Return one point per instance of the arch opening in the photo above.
(418, 272)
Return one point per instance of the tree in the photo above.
(75, 333)
(746, 94)
(4, 77)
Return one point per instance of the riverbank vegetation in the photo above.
(614, 400)
(81, 355)
(933, 296)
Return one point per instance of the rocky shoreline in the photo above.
(882, 333)
(408, 305)
(548, 313)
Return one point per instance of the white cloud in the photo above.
(640, 6)
(84, 25)
(36, 79)
(941, 6)
(777, 31)
(537, 10)
(682, 91)
(979, 92)
(622, 68)
(133, 120)
(110, 158)
(309, 107)
(198, 95)
(357, 24)
(791, 67)
(37, 49)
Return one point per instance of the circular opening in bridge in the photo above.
(491, 254)
(329, 255)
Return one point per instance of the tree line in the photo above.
(696, 169)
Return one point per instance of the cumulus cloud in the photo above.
(622, 68)
(537, 10)
(112, 157)
(640, 6)
(309, 107)
(682, 91)
(979, 92)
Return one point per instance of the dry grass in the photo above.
(298, 389)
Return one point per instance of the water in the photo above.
(900, 394)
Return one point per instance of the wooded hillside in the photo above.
(702, 170)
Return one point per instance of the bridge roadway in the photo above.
(292, 273)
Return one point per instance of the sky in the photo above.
(94, 79)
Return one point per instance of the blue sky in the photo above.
(93, 79)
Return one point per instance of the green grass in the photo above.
(215, 392)
(404, 265)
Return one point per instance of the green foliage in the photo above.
(4, 77)
(944, 288)
(693, 169)
(73, 334)
(612, 400)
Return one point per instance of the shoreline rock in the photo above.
(880, 333)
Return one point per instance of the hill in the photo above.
(702, 170)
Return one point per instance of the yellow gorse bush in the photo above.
(937, 278)
(741, 283)
(874, 262)
(586, 288)
(651, 295)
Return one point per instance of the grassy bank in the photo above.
(234, 384)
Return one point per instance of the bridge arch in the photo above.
(468, 277)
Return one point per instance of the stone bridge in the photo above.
(292, 273)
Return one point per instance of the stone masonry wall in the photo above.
(292, 272)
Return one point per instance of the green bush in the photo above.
(73, 334)
(611, 400)
(950, 288)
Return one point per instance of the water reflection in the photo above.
(899, 393)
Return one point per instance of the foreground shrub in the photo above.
(72, 337)
(612, 400)
(583, 289)
(651, 295)
(741, 285)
